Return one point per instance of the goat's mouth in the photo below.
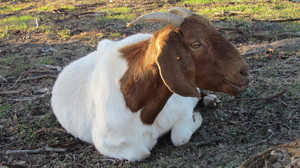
(237, 87)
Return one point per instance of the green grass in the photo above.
(114, 35)
(16, 63)
(65, 33)
(11, 8)
(19, 64)
(289, 27)
(69, 7)
(47, 29)
(120, 13)
(292, 89)
(261, 10)
(49, 60)
(16, 20)
(193, 2)
(118, 17)
(122, 10)
(45, 8)
(12, 23)
(3, 109)
(51, 8)
(256, 9)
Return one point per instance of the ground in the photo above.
(53, 34)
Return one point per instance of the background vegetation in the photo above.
(38, 38)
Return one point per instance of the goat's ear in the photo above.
(176, 66)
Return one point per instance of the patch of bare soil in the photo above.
(263, 117)
(285, 45)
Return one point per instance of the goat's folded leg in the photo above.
(209, 100)
(119, 146)
(184, 128)
(125, 152)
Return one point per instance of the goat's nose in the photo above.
(244, 71)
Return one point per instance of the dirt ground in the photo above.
(266, 115)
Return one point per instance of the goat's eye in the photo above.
(196, 44)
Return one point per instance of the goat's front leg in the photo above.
(185, 127)
(209, 100)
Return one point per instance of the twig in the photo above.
(30, 98)
(283, 20)
(50, 49)
(42, 71)
(38, 77)
(50, 130)
(289, 34)
(98, 13)
(19, 78)
(34, 151)
(13, 142)
(57, 68)
(238, 30)
(270, 36)
(111, 160)
(37, 27)
(261, 98)
(4, 67)
(11, 91)
(37, 22)
(283, 103)
(3, 78)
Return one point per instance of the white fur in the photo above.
(89, 104)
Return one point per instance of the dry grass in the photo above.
(30, 61)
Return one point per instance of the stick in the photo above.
(16, 82)
(98, 13)
(38, 77)
(289, 34)
(37, 22)
(238, 30)
(50, 130)
(37, 27)
(3, 78)
(34, 151)
(284, 20)
(13, 142)
(11, 91)
(30, 98)
(42, 71)
(261, 98)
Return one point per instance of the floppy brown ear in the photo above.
(176, 66)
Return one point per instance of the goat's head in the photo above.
(191, 54)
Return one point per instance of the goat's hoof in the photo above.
(211, 101)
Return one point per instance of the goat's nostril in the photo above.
(245, 72)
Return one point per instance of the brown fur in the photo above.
(167, 64)
(141, 84)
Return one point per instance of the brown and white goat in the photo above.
(126, 94)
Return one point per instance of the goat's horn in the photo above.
(164, 17)
(181, 12)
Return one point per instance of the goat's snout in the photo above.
(244, 71)
(236, 80)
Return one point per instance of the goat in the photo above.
(125, 95)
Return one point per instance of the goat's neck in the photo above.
(141, 84)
